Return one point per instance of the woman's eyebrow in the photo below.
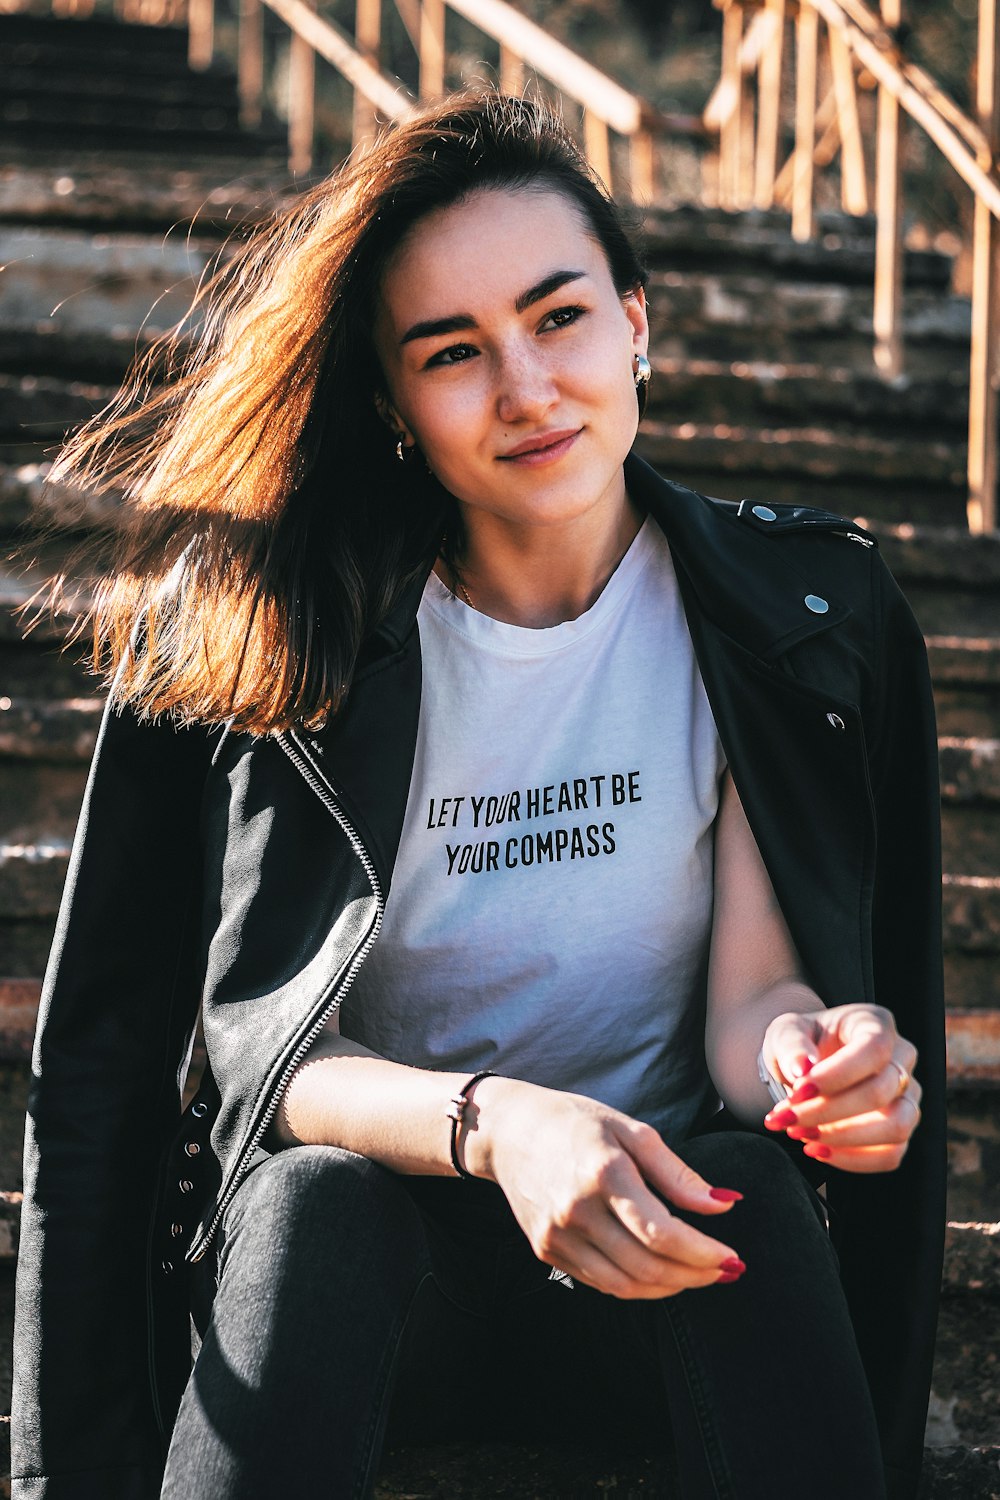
(434, 327)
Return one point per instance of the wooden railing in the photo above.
(747, 123)
(526, 53)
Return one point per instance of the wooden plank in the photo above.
(732, 121)
(985, 355)
(769, 108)
(250, 62)
(511, 71)
(301, 103)
(889, 223)
(368, 40)
(201, 33)
(331, 42)
(824, 133)
(432, 43)
(806, 68)
(642, 166)
(939, 124)
(597, 144)
(622, 111)
(853, 178)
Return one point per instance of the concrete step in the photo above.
(102, 124)
(727, 391)
(692, 237)
(120, 194)
(709, 315)
(104, 281)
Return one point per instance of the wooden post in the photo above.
(511, 72)
(889, 223)
(368, 40)
(853, 178)
(732, 124)
(201, 33)
(432, 41)
(301, 104)
(250, 61)
(769, 109)
(806, 60)
(983, 371)
(642, 166)
(597, 144)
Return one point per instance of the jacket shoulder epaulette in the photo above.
(782, 519)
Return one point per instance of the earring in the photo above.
(401, 451)
(643, 371)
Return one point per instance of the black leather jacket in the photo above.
(249, 874)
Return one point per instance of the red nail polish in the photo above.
(777, 1119)
(821, 1151)
(732, 1265)
(726, 1277)
(802, 1092)
(725, 1195)
(803, 1065)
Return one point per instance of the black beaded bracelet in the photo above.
(456, 1114)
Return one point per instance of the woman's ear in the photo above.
(637, 313)
(390, 416)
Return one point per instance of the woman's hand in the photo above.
(846, 1105)
(585, 1183)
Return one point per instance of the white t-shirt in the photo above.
(551, 904)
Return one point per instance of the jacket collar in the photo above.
(741, 576)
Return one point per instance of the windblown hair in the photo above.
(267, 527)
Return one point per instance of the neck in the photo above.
(540, 575)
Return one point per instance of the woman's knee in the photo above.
(756, 1166)
(310, 1196)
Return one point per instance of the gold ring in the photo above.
(904, 1079)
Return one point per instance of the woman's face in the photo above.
(508, 356)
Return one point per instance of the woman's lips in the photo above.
(551, 450)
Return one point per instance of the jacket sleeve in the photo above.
(118, 1004)
(891, 1234)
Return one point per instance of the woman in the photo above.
(440, 725)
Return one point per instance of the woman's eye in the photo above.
(455, 354)
(562, 317)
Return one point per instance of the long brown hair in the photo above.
(267, 526)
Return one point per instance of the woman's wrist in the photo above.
(483, 1121)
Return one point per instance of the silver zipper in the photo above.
(855, 536)
(361, 953)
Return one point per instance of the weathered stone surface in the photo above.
(972, 912)
(971, 980)
(712, 390)
(949, 556)
(970, 769)
(972, 1257)
(815, 453)
(964, 659)
(28, 496)
(218, 198)
(970, 837)
(44, 407)
(39, 729)
(31, 878)
(844, 249)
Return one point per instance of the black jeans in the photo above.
(349, 1301)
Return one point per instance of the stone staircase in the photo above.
(764, 386)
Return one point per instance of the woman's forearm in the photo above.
(346, 1095)
(732, 1048)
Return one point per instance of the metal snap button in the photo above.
(192, 1148)
(816, 604)
(836, 721)
(198, 1110)
(168, 1266)
(185, 1185)
(176, 1230)
(763, 513)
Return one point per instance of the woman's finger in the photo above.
(857, 1158)
(613, 1261)
(867, 1041)
(651, 1225)
(877, 1092)
(882, 1127)
(672, 1178)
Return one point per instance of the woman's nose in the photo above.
(527, 389)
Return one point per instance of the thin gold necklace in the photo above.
(457, 586)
